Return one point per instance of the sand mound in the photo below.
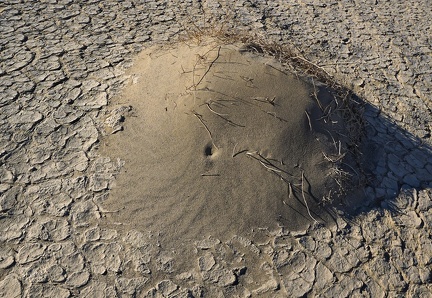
(221, 141)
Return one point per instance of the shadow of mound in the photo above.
(225, 141)
(393, 161)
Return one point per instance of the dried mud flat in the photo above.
(62, 66)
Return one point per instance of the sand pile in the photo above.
(221, 141)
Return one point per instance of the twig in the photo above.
(205, 126)
(290, 194)
(275, 68)
(351, 169)
(208, 69)
(309, 120)
(316, 95)
(313, 64)
(274, 115)
(241, 151)
(334, 141)
(213, 111)
(304, 198)
(333, 160)
(265, 100)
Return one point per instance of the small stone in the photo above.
(281, 258)
(59, 205)
(8, 96)
(358, 82)
(390, 183)
(405, 198)
(112, 257)
(425, 275)
(247, 243)
(99, 269)
(413, 161)
(165, 262)
(296, 286)
(308, 273)
(116, 117)
(108, 234)
(397, 169)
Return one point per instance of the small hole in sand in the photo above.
(208, 150)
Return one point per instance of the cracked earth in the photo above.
(61, 63)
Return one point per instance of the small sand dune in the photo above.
(222, 141)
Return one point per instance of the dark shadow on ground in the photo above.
(393, 160)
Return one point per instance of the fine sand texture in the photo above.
(221, 141)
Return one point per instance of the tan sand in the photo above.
(221, 142)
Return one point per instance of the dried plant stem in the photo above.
(313, 64)
(290, 194)
(199, 117)
(304, 198)
(316, 95)
(208, 69)
(213, 111)
(309, 120)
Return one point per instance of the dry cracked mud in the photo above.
(63, 63)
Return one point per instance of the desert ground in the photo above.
(166, 149)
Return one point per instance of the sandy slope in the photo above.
(221, 142)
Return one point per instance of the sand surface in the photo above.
(220, 142)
